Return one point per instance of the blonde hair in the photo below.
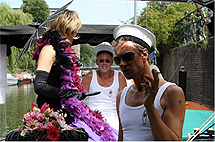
(68, 23)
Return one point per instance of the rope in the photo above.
(181, 62)
(200, 130)
(197, 132)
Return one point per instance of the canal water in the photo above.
(19, 99)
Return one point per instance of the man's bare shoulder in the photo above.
(121, 75)
(87, 78)
(173, 95)
(88, 75)
(174, 90)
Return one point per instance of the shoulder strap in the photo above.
(161, 91)
(123, 95)
(94, 78)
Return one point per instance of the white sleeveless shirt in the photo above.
(134, 120)
(106, 100)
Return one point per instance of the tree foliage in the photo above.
(87, 55)
(24, 64)
(37, 8)
(162, 18)
(10, 17)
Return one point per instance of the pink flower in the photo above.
(35, 108)
(27, 117)
(39, 126)
(33, 114)
(48, 125)
(41, 116)
(44, 107)
(31, 125)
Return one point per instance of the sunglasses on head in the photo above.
(102, 60)
(129, 56)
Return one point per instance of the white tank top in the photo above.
(134, 120)
(106, 100)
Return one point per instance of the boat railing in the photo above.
(193, 26)
(204, 132)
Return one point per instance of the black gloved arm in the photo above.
(42, 88)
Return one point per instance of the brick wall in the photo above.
(199, 64)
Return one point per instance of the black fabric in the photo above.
(78, 134)
(55, 81)
(54, 76)
(13, 135)
(50, 94)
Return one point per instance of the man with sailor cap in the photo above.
(152, 108)
(109, 82)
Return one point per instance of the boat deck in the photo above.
(197, 106)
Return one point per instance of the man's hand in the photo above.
(150, 88)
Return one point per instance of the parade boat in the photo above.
(11, 80)
(198, 122)
(202, 119)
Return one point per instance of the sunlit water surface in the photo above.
(19, 99)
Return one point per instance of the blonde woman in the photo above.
(56, 76)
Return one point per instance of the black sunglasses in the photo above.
(102, 60)
(129, 56)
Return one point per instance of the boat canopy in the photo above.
(91, 34)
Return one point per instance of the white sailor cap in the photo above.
(139, 34)
(104, 49)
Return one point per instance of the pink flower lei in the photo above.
(77, 108)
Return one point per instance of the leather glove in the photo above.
(78, 95)
(42, 88)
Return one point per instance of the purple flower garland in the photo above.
(77, 108)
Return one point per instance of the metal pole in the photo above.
(135, 12)
(3, 86)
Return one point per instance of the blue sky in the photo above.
(95, 11)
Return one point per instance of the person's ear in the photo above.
(96, 62)
(145, 54)
(111, 61)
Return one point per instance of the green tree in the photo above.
(162, 19)
(10, 17)
(24, 64)
(87, 55)
(37, 8)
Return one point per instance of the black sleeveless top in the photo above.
(55, 81)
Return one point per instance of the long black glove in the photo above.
(42, 88)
